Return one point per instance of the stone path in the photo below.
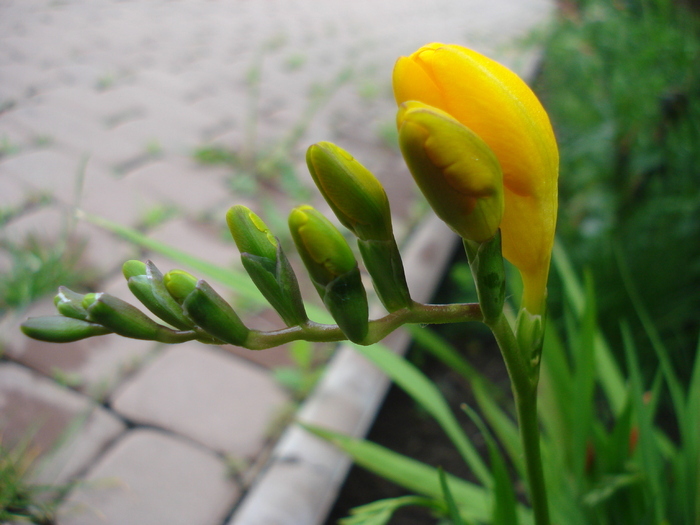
(103, 104)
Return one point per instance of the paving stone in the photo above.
(177, 180)
(100, 253)
(218, 400)
(114, 198)
(63, 125)
(197, 239)
(45, 170)
(295, 489)
(151, 478)
(66, 427)
(12, 192)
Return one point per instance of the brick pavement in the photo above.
(102, 104)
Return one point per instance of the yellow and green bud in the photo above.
(60, 329)
(324, 250)
(268, 266)
(355, 195)
(333, 270)
(455, 169)
(359, 201)
(250, 233)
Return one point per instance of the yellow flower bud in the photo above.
(497, 105)
(456, 171)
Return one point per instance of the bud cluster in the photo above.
(485, 160)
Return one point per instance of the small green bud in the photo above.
(454, 168)
(214, 315)
(70, 303)
(179, 284)
(59, 329)
(355, 195)
(133, 268)
(128, 321)
(529, 331)
(333, 270)
(89, 299)
(250, 233)
(148, 288)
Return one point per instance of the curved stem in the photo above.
(378, 328)
(524, 376)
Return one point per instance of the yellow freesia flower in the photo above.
(500, 108)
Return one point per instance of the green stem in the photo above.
(524, 376)
(378, 328)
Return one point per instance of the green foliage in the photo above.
(36, 268)
(21, 501)
(621, 82)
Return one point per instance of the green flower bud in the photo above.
(179, 284)
(214, 315)
(89, 299)
(456, 171)
(70, 304)
(146, 283)
(333, 270)
(355, 195)
(128, 321)
(267, 265)
(250, 233)
(59, 329)
(133, 269)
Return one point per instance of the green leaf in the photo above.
(609, 374)
(650, 460)
(504, 503)
(380, 512)
(452, 510)
(426, 394)
(581, 405)
(485, 392)
(474, 502)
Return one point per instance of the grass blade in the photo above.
(426, 394)
(485, 392)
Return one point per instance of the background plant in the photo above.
(621, 84)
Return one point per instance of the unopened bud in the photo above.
(455, 169)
